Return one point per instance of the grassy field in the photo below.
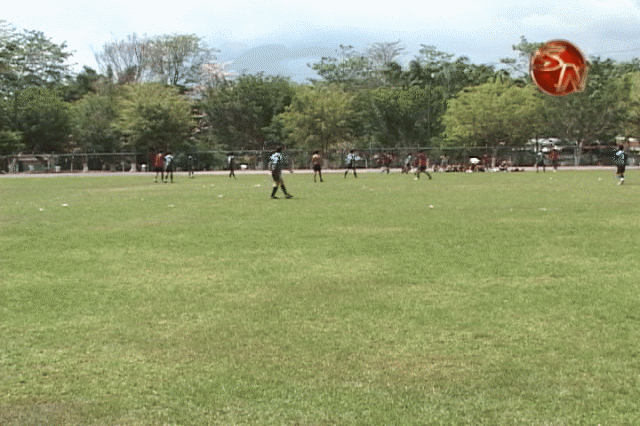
(514, 300)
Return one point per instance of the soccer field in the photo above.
(469, 299)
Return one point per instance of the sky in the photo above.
(253, 36)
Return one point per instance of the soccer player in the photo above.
(351, 163)
(316, 162)
(190, 165)
(540, 162)
(158, 165)
(554, 156)
(387, 158)
(168, 166)
(231, 160)
(276, 164)
(620, 160)
(421, 163)
(407, 164)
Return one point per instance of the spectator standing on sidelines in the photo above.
(158, 165)
(351, 163)
(620, 160)
(168, 166)
(316, 163)
(276, 164)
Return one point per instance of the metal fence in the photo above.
(300, 159)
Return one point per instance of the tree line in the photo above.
(169, 92)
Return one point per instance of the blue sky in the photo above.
(282, 39)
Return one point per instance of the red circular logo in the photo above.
(558, 68)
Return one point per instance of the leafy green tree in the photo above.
(519, 66)
(86, 81)
(94, 121)
(33, 113)
(347, 67)
(154, 116)
(10, 142)
(319, 118)
(443, 69)
(239, 112)
(404, 116)
(43, 119)
(631, 120)
(29, 59)
(495, 114)
(598, 113)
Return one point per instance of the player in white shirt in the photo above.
(351, 163)
(276, 164)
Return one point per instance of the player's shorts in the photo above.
(620, 169)
(422, 168)
(168, 169)
(159, 169)
(277, 176)
(351, 165)
(540, 164)
(317, 167)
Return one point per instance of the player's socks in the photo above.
(273, 193)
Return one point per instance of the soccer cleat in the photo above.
(288, 196)
(274, 197)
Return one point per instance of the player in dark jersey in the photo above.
(276, 164)
(231, 159)
(620, 160)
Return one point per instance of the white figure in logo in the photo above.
(553, 62)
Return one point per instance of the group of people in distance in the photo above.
(554, 157)
(278, 161)
(163, 166)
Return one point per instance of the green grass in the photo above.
(513, 301)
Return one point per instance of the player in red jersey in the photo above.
(158, 165)
(421, 164)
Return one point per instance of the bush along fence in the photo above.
(490, 157)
